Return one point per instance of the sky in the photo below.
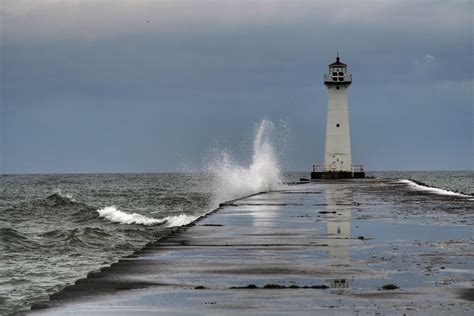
(155, 86)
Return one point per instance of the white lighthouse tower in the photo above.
(337, 157)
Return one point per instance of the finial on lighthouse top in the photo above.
(338, 63)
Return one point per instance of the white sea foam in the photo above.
(112, 214)
(232, 180)
(179, 220)
(432, 190)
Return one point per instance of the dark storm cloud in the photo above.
(149, 86)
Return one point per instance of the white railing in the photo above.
(321, 168)
(331, 78)
(358, 168)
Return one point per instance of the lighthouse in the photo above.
(337, 156)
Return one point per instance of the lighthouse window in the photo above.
(341, 73)
(337, 88)
(334, 73)
(337, 125)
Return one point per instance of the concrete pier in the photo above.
(327, 248)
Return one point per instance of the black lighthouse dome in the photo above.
(337, 63)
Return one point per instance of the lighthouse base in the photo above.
(337, 175)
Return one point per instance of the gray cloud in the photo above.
(91, 86)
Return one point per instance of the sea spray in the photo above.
(263, 173)
(112, 214)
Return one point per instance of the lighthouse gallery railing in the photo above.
(337, 78)
(321, 168)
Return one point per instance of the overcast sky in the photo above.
(150, 86)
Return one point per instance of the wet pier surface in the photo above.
(327, 248)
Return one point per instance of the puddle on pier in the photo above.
(412, 254)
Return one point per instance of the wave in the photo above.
(53, 203)
(65, 234)
(115, 215)
(423, 187)
(13, 240)
(59, 199)
(64, 195)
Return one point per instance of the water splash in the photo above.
(230, 180)
(263, 173)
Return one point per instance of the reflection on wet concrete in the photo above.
(338, 218)
(277, 252)
(339, 283)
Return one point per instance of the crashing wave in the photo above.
(422, 187)
(263, 174)
(115, 215)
